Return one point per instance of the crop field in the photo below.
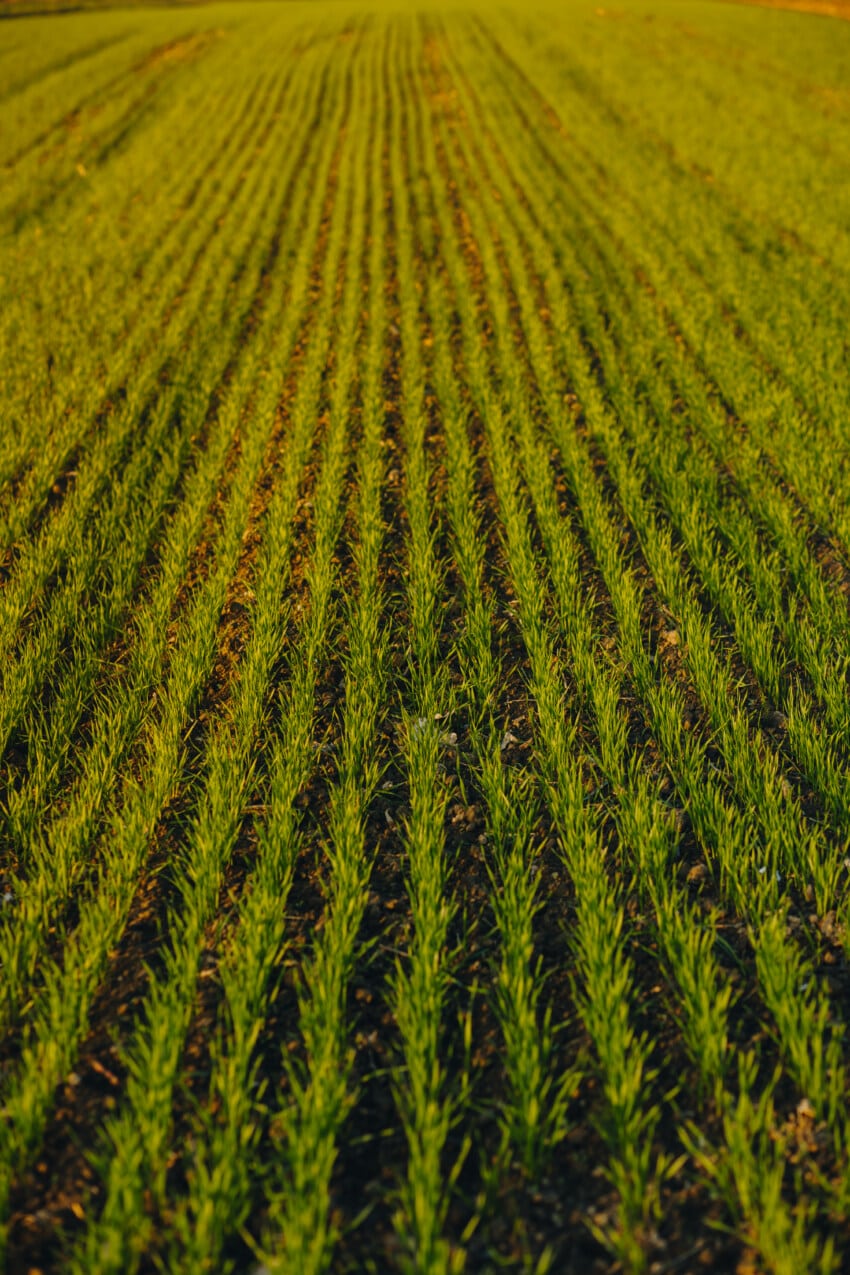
(424, 640)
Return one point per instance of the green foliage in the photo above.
(424, 636)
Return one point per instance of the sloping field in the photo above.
(424, 640)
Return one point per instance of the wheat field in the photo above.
(424, 639)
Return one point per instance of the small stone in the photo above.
(827, 924)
